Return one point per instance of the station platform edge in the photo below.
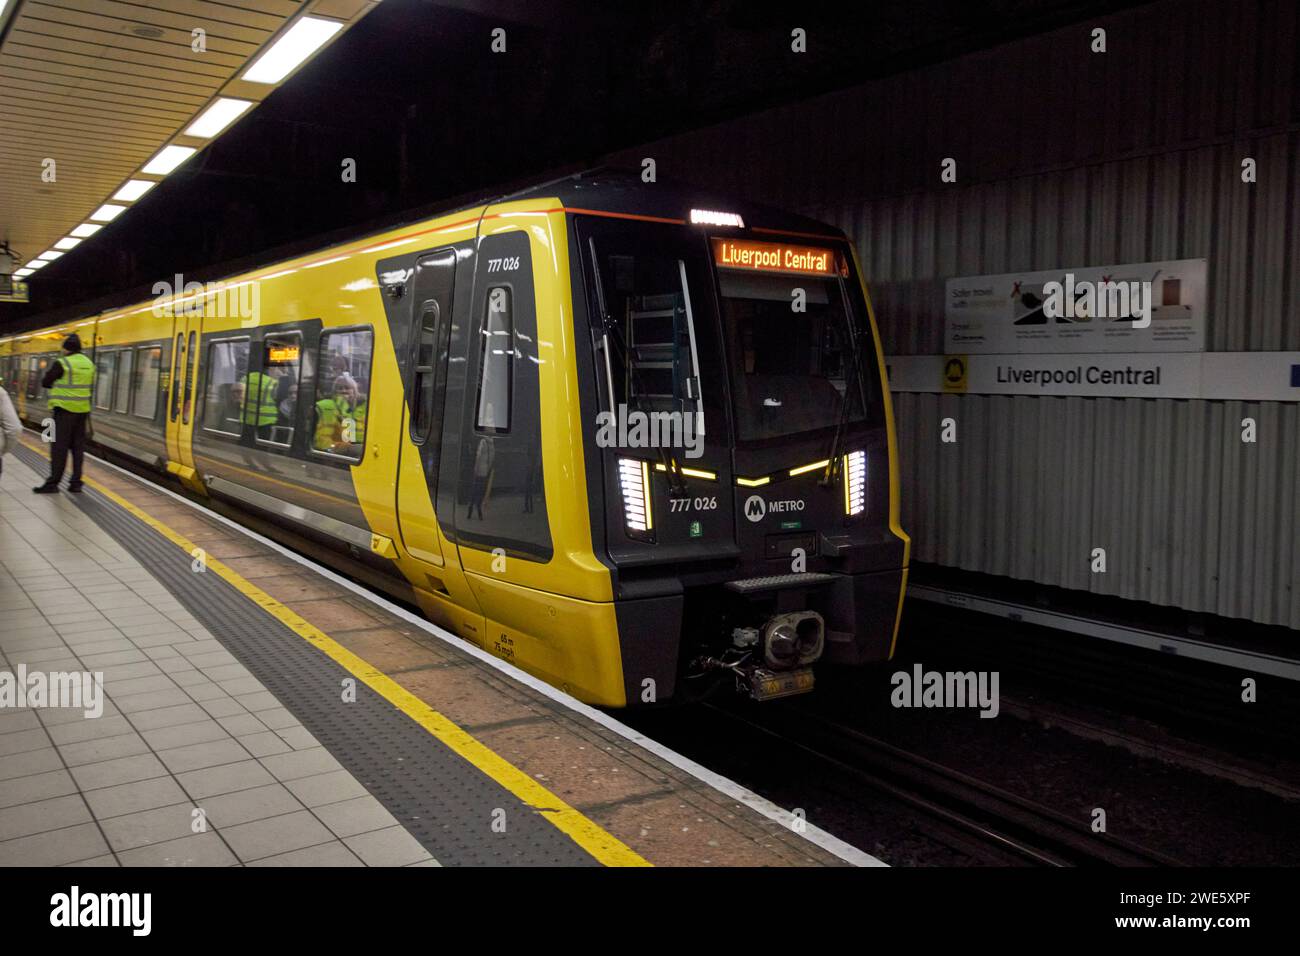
(267, 711)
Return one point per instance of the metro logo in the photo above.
(756, 509)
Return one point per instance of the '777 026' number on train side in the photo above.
(692, 504)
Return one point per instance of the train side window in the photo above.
(178, 354)
(148, 366)
(274, 407)
(223, 402)
(425, 373)
(341, 411)
(122, 386)
(33, 380)
(189, 380)
(39, 365)
(496, 365)
(105, 379)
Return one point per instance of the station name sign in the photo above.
(753, 256)
(1230, 376)
(1009, 374)
(11, 290)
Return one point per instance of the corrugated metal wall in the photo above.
(1184, 204)
(1189, 516)
(1069, 158)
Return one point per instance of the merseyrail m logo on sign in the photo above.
(755, 508)
(773, 257)
(954, 373)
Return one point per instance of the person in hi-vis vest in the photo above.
(341, 420)
(71, 382)
(260, 408)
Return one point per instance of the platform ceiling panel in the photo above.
(99, 86)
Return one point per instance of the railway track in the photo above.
(1202, 697)
(990, 824)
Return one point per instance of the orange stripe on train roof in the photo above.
(625, 215)
(271, 269)
(462, 222)
(402, 238)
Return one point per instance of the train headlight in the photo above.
(855, 482)
(634, 480)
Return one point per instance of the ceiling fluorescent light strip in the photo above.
(298, 43)
(167, 159)
(133, 189)
(223, 111)
(107, 212)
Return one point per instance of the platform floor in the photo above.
(184, 724)
(260, 712)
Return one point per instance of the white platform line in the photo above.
(761, 805)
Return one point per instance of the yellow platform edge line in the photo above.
(602, 845)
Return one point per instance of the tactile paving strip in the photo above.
(442, 800)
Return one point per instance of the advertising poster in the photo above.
(1142, 307)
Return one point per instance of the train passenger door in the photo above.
(425, 358)
(181, 397)
(492, 485)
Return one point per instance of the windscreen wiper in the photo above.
(833, 464)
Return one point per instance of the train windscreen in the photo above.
(790, 341)
(660, 353)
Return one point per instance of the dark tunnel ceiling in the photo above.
(414, 95)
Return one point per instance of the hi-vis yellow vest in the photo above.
(71, 391)
(332, 414)
(259, 402)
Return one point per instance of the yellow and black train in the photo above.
(633, 439)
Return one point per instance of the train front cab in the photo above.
(768, 540)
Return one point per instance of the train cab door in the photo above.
(181, 397)
(427, 341)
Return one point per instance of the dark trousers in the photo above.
(69, 433)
